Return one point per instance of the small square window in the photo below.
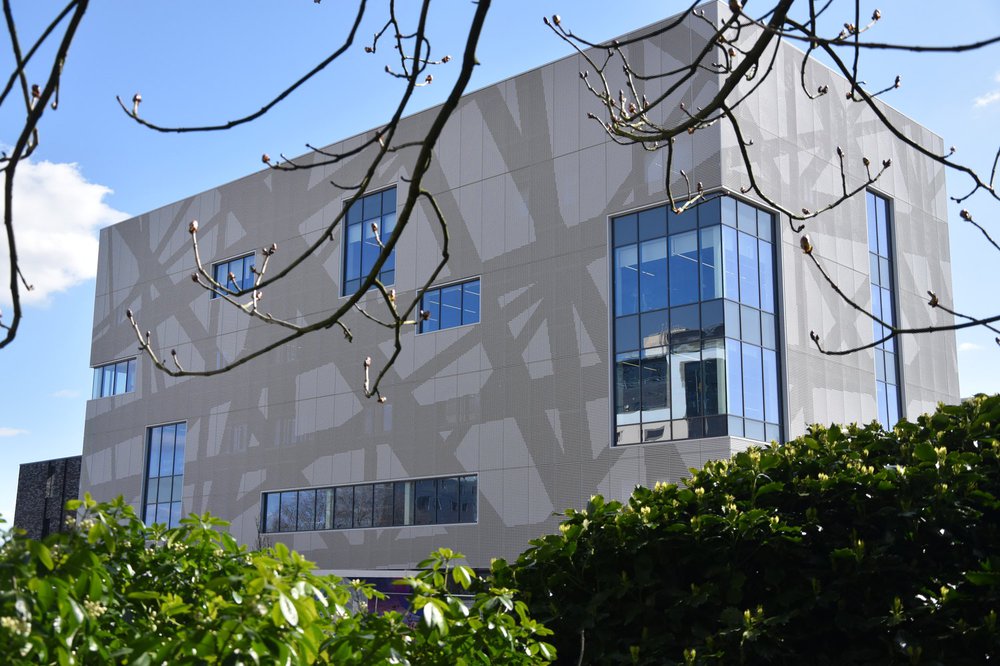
(241, 269)
(450, 306)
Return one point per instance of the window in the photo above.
(695, 332)
(114, 378)
(242, 270)
(440, 501)
(164, 474)
(450, 306)
(887, 372)
(361, 249)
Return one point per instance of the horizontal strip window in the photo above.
(235, 274)
(450, 306)
(441, 501)
(114, 378)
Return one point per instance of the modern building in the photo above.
(584, 338)
(43, 488)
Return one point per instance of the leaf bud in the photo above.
(193, 227)
(887, 163)
(866, 161)
(876, 15)
(368, 361)
(556, 19)
(265, 158)
(806, 244)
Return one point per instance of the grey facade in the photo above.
(43, 488)
(523, 400)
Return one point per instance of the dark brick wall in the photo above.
(42, 491)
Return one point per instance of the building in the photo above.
(43, 488)
(583, 340)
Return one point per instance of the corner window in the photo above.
(241, 268)
(361, 249)
(887, 371)
(441, 501)
(450, 306)
(114, 378)
(695, 327)
(164, 474)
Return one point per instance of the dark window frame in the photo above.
(228, 269)
(438, 291)
(99, 389)
(351, 283)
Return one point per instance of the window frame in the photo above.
(439, 289)
(236, 257)
(131, 370)
(147, 479)
(894, 343)
(347, 226)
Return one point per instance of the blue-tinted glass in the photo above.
(892, 404)
(167, 450)
(732, 319)
(887, 307)
(627, 333)
(222, 274)
(655, 330)
(371, 206)
(655, 380)
(363, 505)
(164, 486)
(890, 368)
(685, 324)
(768, 333)
(369, 249)
(770, 386)
(749, 284)
(626, 280)
(451, 306)
(432, 304)
(653, 223)
(750, 325)
(772, 433)
(628, 388)
(684, 268)
(728, 205)
(470, 302)
(121, 377)
(625, 231)
(306, 519)
(382, 505)
(885, 276)
(96, 392)
(469, 499)
(389, 201)
(764, 225)
(179, 443)
(882, 222)
(713, 322)
(271, 512)
(424, 502)
(154, 452)
(734, 387)
(713, 358)
(163, 514)
(879, 365)
(709, 213)
(130, 381)
(746, 216)
(883, 405)
(352, 262)
(108, 384)
(354, 212)
(248, 266)
(871, 216)
(685, 362)
(385, 231)
(711, 263)
(447, 500)
(766, 273)
(178, 488)
(754, 430)
(286, 514)
(343, 510)
(753, 383)
(876, 302)
(890, 344)
(730, 264)
(653, 274)
(684, 221)
(873, 268)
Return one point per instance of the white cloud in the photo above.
(990, 97)
(56, 216)
(66, 393)
(968, 346)
(12, 432)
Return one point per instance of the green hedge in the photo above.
(112, 590)
(847, 545)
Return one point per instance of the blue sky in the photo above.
(196, 61)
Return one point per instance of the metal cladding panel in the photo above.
(521, 399)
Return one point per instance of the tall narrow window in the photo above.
(695, 332)
(165, 474)
(887, 371)
(235, 274)
(361, 247)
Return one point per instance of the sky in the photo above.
(198, 62)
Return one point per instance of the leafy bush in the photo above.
(112, 590)
(847, 545)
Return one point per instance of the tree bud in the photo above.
(193, 227)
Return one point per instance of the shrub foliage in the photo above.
(848, 545)
(112, 590)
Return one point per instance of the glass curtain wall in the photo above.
(695, 328)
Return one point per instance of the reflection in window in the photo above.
(694, 327)
(114, 378)
(883, 307)
(361, 249)
(241, 269)
(165, 474)
(438, 501)
(450, 306)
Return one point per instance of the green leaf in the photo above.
(433, 617)
(288, 610)
(925, 451)
(462, 576)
